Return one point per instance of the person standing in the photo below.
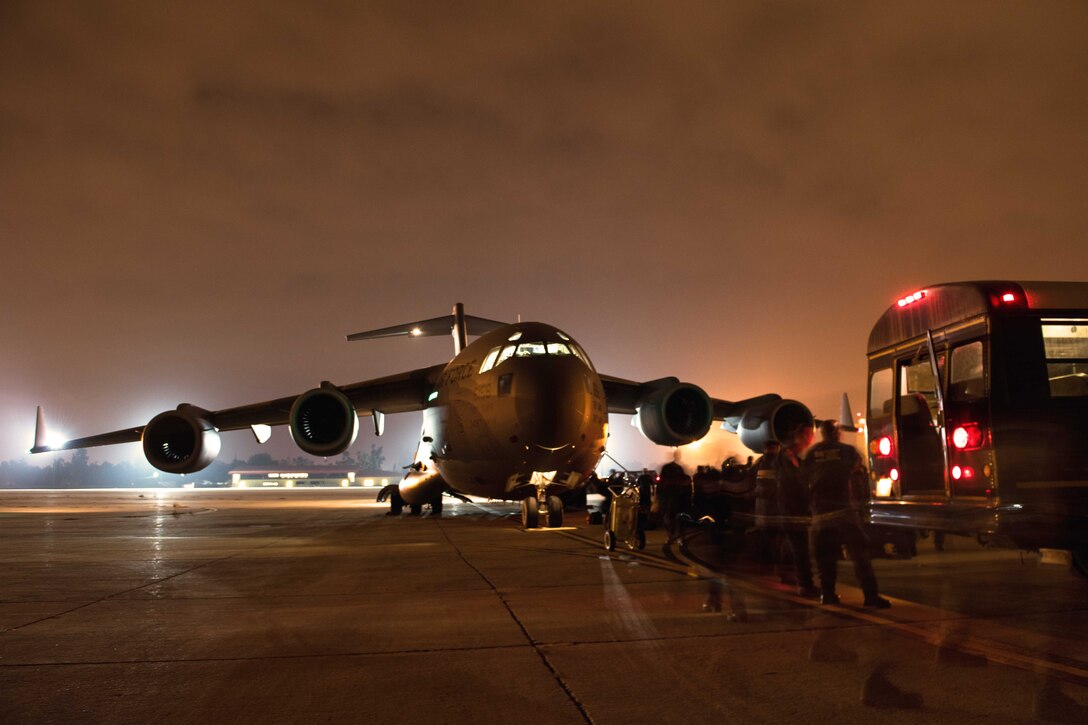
(674, 490)
(830, 469)
(768, 540)
(793, 506)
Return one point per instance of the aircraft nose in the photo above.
(551, 404)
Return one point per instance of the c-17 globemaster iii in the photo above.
(519, 414)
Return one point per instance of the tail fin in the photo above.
(41, 436)
(459, 325)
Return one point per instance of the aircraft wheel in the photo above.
(396, 503)
(436, 506)
(555, 512)
(609, 540)
(640, 540)
(530, 513)
(415, 509)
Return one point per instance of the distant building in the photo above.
(300, 476)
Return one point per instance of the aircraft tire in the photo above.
(415, 509)
(436, 506)
(396, 503)
(609, 540)
(555, 512)
(640, 540)
(530, 513)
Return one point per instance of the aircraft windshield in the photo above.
(496, 356)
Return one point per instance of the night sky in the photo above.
(199, 200)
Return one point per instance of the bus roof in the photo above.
(940, 305)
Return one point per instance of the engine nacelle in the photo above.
(769, 420)
(323, 421)
(674, 413)
(180, 441)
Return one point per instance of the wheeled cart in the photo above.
(625, 519)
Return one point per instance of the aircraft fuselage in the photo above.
(519, 406)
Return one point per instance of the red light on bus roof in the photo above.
(911, 299)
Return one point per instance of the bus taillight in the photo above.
(959, 472)
(966, 436)
(884, 446)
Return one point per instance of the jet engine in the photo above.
(180, 441)
(323, 421)
(672, 413)
(768, 418)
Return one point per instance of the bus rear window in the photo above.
(1066, 345)
(880, 394)
(967, 381)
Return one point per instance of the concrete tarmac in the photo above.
(304, 606)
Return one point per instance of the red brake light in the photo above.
(1008, 297)
(894, 474)
(884, 446)
(965, 472)
(968, 435)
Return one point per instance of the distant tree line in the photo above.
(77, 471)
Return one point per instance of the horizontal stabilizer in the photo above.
(430, 328)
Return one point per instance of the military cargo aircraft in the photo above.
(519, 414)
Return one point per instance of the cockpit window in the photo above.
(489, 361)
(581, 355)
(530, 349)
(498, 355)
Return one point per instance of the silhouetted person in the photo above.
(768, 526)
(793, 506)
(674, 494)
(830, 469)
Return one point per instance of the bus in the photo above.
(977, 419)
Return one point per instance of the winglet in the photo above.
(41, 444)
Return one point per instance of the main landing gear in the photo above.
(397, 503)
(532, 507)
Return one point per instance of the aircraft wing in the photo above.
(756, 420)
(392, 394)
(624, 396)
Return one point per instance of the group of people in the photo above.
(808, 500)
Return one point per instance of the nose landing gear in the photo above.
(533, 506)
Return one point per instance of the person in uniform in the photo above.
(765, 492)
(793, 507)
(831, 469)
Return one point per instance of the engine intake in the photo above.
(771, 419)
(674, 413)
(323, 421)
(180, 441)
